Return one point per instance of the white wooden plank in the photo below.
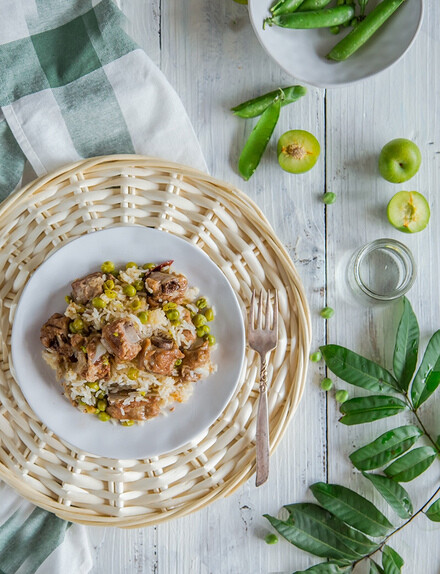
(360, 120)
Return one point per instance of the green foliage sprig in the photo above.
(340, 527)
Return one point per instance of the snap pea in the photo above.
(313, 4)
(284, 6)
(256, 106)
(364, 30)
(326, 18)
(259, 138)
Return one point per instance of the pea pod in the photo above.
(284, 6)
(259, 138)
(364, 30)
(313, 19)
(256, 107)
(313, 4)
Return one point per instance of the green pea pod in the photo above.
(259, 138)
(313, 4)
(364, 30)
(313, 19)
(256, 107)
(285, 6)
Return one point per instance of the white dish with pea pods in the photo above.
(302, 53)
(44, 295)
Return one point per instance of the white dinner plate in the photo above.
(44, 295)
(301, 53)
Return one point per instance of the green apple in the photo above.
(399, 160)
(408, 211)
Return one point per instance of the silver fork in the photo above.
(263, 339)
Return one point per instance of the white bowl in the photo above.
(301, 53)
(44, 295)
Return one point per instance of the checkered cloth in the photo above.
(73, 84)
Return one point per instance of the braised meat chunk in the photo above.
(136, 410)
(88, 287)
(195, 358)
(94, 363)
(121, 339)
(54, 334)
(159, 355)
(166, 286)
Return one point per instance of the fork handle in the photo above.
(262, 437)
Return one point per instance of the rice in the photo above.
(133, 382)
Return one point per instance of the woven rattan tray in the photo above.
(117, 190)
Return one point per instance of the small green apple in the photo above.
(399, 160)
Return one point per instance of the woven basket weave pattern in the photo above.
(117, 190)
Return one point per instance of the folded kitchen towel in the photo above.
(73, 84)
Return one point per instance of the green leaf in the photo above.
(326, 568)
(315, 530)
(385, 448)
(394, 494)
(433, 512)
(375, 568)
(358, 370)
(411, 464)
(352, 508)
(427, 378)
(368, 409)
(391, 561)
(406, 347)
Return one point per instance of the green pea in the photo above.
(327, 312)
(129, 290)
(131, 265)
(110, 294)
(256, 106)
(98, 303)
(315, 357)
(108, 267)
(271, 539)
(138, 285)
(364, 30)
(341, 396)
(109, 284)
(93, 386)
(211, 340)
(101, 404)
(135, 304)
(314, 4)
(100, 395)
(200, 332)
(284, 6)
(206, 329)
(173, 315)
(76, 326)
(103, 416)
(169, 306)
(258, 139)
(132, 373)
(209, 314)
(68, 299)
(326, 384)
(149, 266)
(201, 303)
(326, 18)
(178, 363)
(199, 320)
(127, 423)
(143, 317)
(329, 197)
(175, 323)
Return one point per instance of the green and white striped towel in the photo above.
(73, 84)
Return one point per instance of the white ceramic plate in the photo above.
(44, 295)
(301, 53)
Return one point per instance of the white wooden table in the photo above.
(209, 53)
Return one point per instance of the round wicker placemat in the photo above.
(116, 190)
